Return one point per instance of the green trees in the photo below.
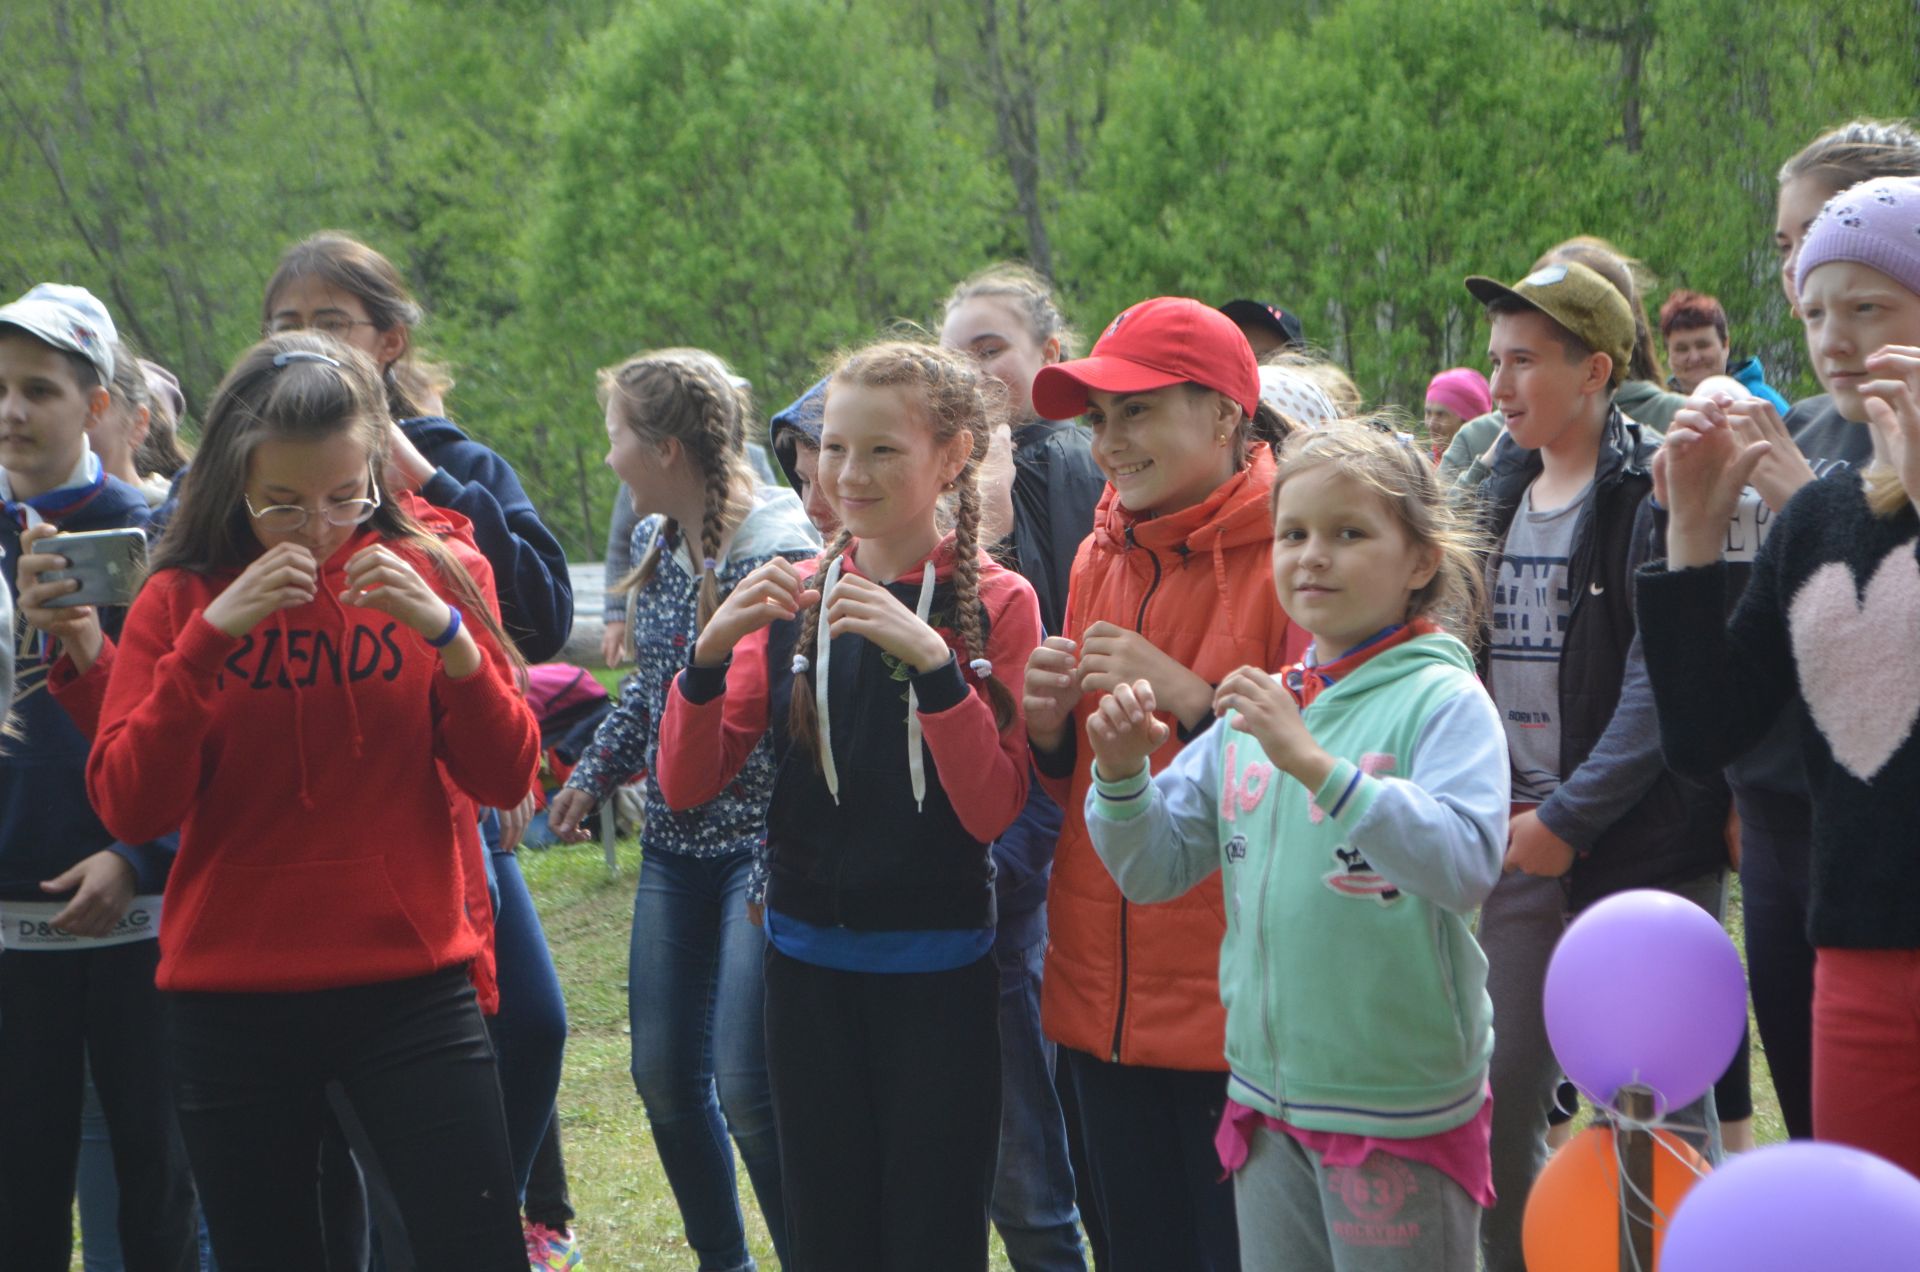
(766, 179)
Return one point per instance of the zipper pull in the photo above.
(1129, 538)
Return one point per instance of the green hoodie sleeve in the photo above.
(1159, 835)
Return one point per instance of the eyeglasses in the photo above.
(286, 518)
(337, 325)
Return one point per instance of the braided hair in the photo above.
(1857, 151)
(688, 395)
(953, 394)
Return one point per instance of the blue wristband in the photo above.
(453, 629)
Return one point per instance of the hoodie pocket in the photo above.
(305, 923)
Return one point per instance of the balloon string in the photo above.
(1624, 1122)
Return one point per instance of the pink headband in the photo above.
(1462, 391)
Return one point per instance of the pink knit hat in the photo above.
(1462, 391)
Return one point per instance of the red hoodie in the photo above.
(311, 768)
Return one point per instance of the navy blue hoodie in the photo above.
(46, 821)
(529, 567)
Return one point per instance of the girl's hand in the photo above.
(1535, 850)
(565, 813)
(1783, 469)
(1111, 656)
(1698, 475)
(863, 607)
(1124, 731)
(1052, 691)
(76, 627)
(407, 468)
(102, 887)
(1893, 412)
(284, 576)
(513, 823)
(1269, 713)
(772, 592)
(378, 579)
(613, 643)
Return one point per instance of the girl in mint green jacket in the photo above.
(1357, 807)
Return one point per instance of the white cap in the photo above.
(69, 318)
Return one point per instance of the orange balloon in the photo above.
(1573, 1213)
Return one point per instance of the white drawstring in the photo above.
(916, 760)
(823, 650)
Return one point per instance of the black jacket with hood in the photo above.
(1675, 829)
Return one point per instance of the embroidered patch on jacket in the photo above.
(1355, 876)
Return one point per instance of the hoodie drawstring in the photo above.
(916, 759)
(299, 716)
(353, 699)
(823, 647)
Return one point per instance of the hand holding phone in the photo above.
(108, 565)
(44, 589)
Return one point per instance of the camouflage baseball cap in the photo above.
(1586, 304)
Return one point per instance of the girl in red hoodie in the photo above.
(319, 672)
(1172, 587)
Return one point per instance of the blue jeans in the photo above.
(530, 1032)
(695, 995)
(1033, 1183)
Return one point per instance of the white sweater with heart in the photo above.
(1828, 626)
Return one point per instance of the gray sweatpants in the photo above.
(1519, 925)
(1384, 1215)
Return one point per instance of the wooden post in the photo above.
(1636, 1148)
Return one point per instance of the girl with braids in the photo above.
(300, 634)
(677, 431)
(1006, 318)
(1171, 587)
(908, 759)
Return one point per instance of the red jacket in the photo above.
(311, 767)
(1141, 984)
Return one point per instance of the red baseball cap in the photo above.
(1156, 343)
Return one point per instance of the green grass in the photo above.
(627, 1217)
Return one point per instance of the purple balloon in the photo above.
(1798, 1206)
(1645, 988)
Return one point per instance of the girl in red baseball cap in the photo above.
(1172, 586)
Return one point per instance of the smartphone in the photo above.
(108, 563)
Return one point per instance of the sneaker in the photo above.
(550, 1251)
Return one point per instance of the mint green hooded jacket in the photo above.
(1355, 991)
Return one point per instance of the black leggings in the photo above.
(250, 1073)
(1776, 835)
(1149, 1135)
(886, 1090)
(57, 1009)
